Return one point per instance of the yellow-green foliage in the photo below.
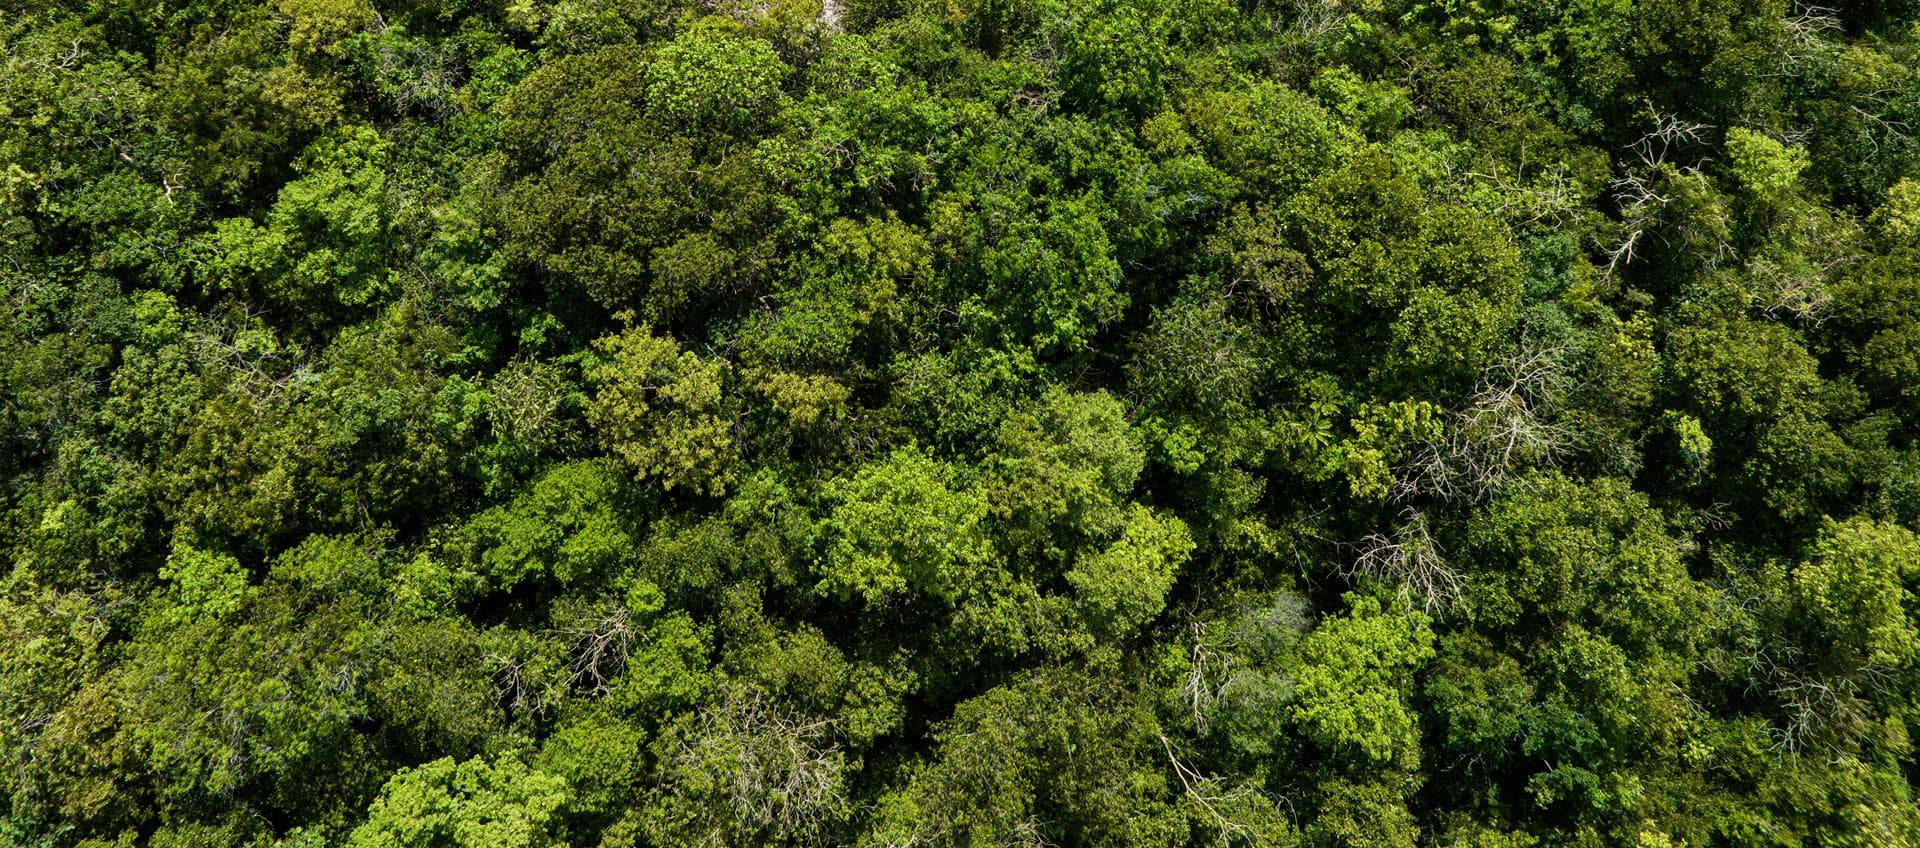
(664, 413)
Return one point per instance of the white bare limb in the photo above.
(600, 651)
(1198, 691)
(512, 690)
(770, 770)
(1669, 132)
(1509, 422)
(1410, 558)
(1209, 793)
(1809, 29)
(1824, 713)
(257, 366)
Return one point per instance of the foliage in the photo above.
(959, 423)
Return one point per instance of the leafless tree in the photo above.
(415, 76)
(65, 60)
(763, 770)
(1509, 422)
(1636, 192)
(1820, 713)
(1546, 196)
(1789, 290)
(1310, 20)
(1025, 834)
(1808, 29)
(511, 689)
(600, 650)
(1410, 558)
(1640, 209)
(1790, 280)
(1199, 691)
(524, 401)
(1669, 132)
(259, 367)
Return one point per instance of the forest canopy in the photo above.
(979, 423)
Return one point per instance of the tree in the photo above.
(1125, 586)
(746, 769)
(1352, 677)
(663, 412)
(1064, 467)
(900, 526)
(567, 528)
(497, 803)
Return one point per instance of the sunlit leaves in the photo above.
(480, 803)
(1353, 674)
(663, 412)
(903, 524)
(1125, 586)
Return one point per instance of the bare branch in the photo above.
(1508, 423)
(1411, 558)
(511, 688)
(1828, 713)
(1208, 794)
(1196, 691)
(600, 651)
(1669, 131)
(770, 769)
(1809, 28)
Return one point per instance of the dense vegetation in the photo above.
(959, 422)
